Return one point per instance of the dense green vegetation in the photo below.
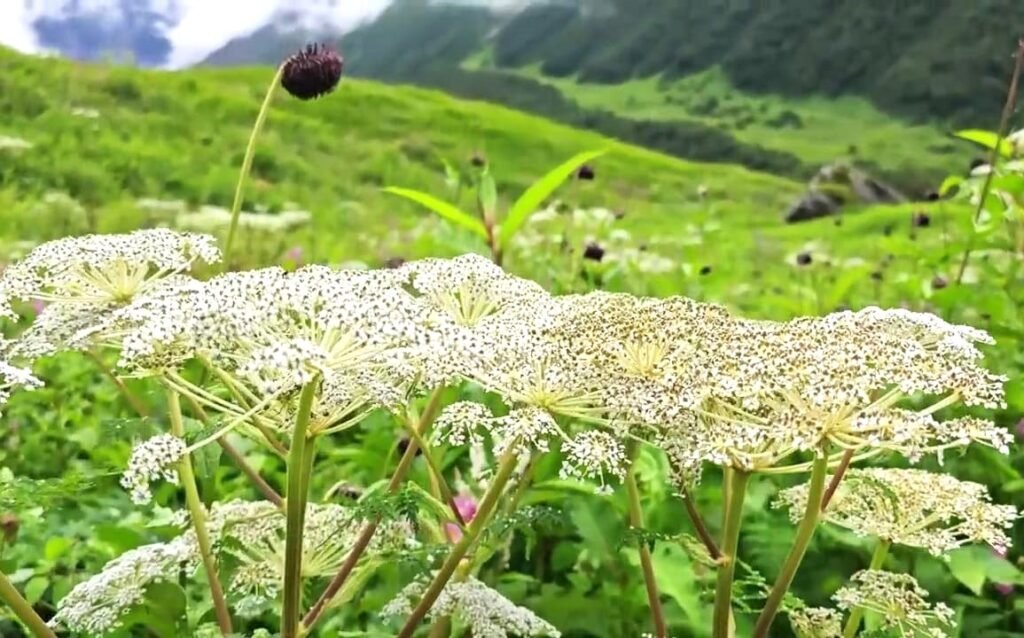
(90, 141)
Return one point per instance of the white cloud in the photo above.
(15, 31)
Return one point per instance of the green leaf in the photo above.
(35, 588)
(442, 208)
(976, 565)
(534, 196)
(56, 547)
(950, 183)
(488, 195)
(987, 139)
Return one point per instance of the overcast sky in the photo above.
(204, 24)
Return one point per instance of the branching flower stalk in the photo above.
(300, 466)
(698, 524)
(425, 421)
(506, 466)
(805, 531)
(197, 513)
(23, 610)
(735, 493)
(636, 521)
(857, 613)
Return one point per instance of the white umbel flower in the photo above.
(152, 460)
(13, 377)
(816, 622)
(912, 507)
(594, 455)
(484, 611)
(901, 604)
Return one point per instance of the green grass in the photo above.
(829, 129)
(182, 135)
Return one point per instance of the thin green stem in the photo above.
(250, 153)
(437, 477)
(636, 521)
(23, 610)
(197, 513)
(698, 524)
(804, 533)
(300, 460)
(370, 528)
(736, 490)
(877, 560)
(506, 467)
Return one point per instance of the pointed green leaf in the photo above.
(987, 139)
(442, 208)
(534, 196)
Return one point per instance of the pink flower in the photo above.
(466, 506)
(1004, 589)
(38, 306)
(294, 256)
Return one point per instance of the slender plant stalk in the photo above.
(857, 614)
(804, 533)
(23, 610)
(197, 512)
(636, 521)
(370, 528)
(736, 489)
(837, 478)
(436, 475)
(300, 460)
(1004, 128)
(506, 467)
(243, 175)
(128, 395)
(698, 525)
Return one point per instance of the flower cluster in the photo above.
(816, 622)
(900, 602)
(153, 459)
(474, 605)
(12, 377)
(912, 507)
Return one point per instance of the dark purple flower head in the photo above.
(593, 251)
(922, 219)
(312, 72)
(478, 159)
(939, 282)
(705, 270)
(586, 173)
(804, 259)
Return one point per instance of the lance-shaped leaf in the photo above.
(442, 208)
(534, 196)
(988, 139)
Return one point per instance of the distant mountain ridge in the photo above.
(948, 59)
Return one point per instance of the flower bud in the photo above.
(312, 72)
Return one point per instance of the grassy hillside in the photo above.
(107, 136)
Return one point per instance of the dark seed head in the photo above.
(804, 259)
(939, 282)
(932, 196)
(394, 262)
(586, 173)
(922, 219)
(593, 251)
(478, 159)
(9, 525)
(312, 72)
(705, 270)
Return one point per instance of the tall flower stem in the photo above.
(736, 491)
(857, 614)
(300, 463)
(243, 175)
(636, 521)
(698, 525)
(804, 533)
(23, 610)
(370, 528)
(187, 478)
(506, 467)
(1004, 128)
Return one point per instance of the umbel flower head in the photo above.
(474, 605)
(152, 460)
(912, 507)
(313, 72)
(816, 622)
(900, 603)
(12, 378)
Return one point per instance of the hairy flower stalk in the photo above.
(370, 527)
(300, 466)
(736, 491)
(857, 613)
(804, 533)
(636, 521)
(197, 514)
(506, 466)
(23, 610)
